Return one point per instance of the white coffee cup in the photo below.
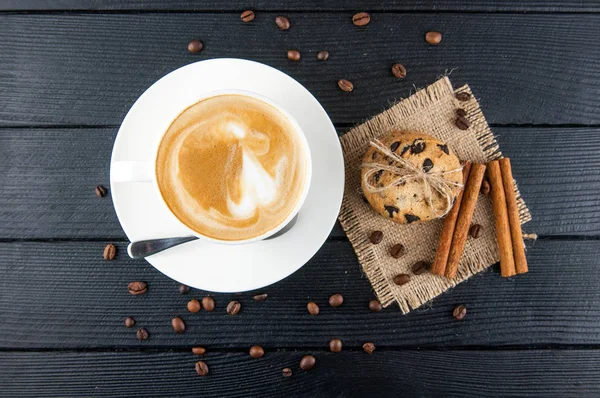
(145, 171)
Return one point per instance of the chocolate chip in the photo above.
(376, 237)
(427, 165)
(461, 112)
(282, 22)
(475, 231)
(420, 267)
(110, 251)
(378, 175)
(411, 218)
(444, 148)
(462, 123)
(417, 146)
(361, 19)
(247, 16)
(375, 306)
(394, 146)
(463, 96)
(391, 210)
(459, 312)
(234, 307)
(178, 325)
(405, 149)
(312, 308)
(208, 303)
(307, 362)
(287, 372)
(101, 191)
(260, 297)
(201, 368)
(369, 347)
(142, 334)
(401, 279)
(336, 300)
(397, 250)
(129, 322)
(136, 288)
(198, 350)
(374, 155)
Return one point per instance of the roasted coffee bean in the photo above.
(178, 325)
(361, 19)
(110, 251)
(287, 372)
(397, 250)
(260, 297)
(399, 71)
(201, 368)
(282, 22)
(485, 187)
(312, 308)
(323, 55)
(335, 345)
(234, 307)
(401, 279)
(247, 16)
(369, 347)
(293, 55)
(208, 303)
(462, 123)
(183, 289)
(307, 362)
(459, 312)
(433, 38)
(198, 350)
(461, 112)
(142, 334)
(463, 96)
(194, 305)
(376, 237)
(129, 322)
(137, 288)
(101, 191)
(256, 351)
(375, 306)
(420, 267)
(195, 46)
(345, 85)
(336, 300)
(475, 231)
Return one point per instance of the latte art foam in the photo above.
(231, 167)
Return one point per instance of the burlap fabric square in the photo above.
(431, 111)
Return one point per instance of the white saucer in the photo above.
(210, 266)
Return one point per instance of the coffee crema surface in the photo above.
(231, 167)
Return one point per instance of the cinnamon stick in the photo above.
(465, 215)
(443, 249)
(514, 220)
(507, 261)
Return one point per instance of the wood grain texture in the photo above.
(64, 295)
(547, 373)
(88, 69)
(302, 5)
(48, 179)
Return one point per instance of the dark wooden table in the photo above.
(70, 70)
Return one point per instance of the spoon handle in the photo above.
(145, 248)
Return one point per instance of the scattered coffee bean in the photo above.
(464, 96)
(461, 112)
(401, 279)
(201, 368)
(323, 55)
(293, 55)
(287, 372)
(142, 334)
(256, 351)
(376, 237)
(335, 345)
(183, 289)
(375, 306)
(399, 71)
(336, 300)
(282, 23)
(459, 312)
(397, 250)
(307, 362)
(110, 251)
(420, 267)
(101, 191)
(433, 38)
(361, 19)
(260, 297)
(234, 307)
(195, 46)
(198, 350)
(312, 308)
(194, 305)
(485, 187)
(137, 288)
(462, 123)
(178, 325)
(247, 16)
(475, 231)
(129, 322)
(369, 347)
(208, 303)
(345, 85)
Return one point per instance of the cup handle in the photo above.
(131, 171)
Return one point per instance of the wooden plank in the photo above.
(64, 295)
(302, 5)
(49, 176)
(546, 373)
(88, 69)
